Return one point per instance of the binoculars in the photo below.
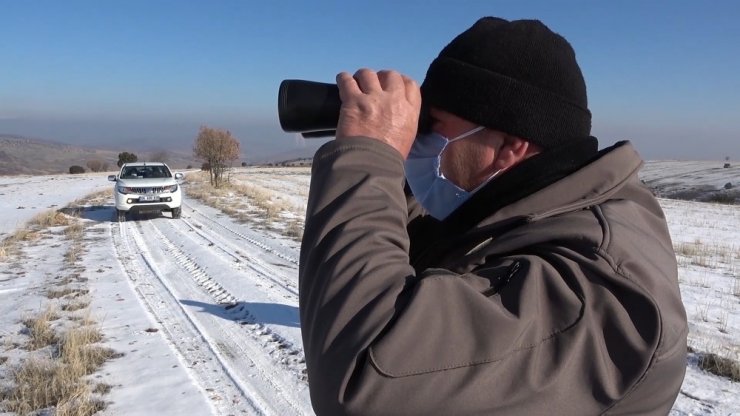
(312, 108)
(308, 107)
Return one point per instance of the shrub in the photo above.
(722, 198)
(74, 169)
(126, 157)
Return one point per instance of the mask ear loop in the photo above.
(484, 183)
(466, 134)
(489, 179)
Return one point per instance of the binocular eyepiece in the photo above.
(308, 107)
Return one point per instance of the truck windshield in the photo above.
(145, 172)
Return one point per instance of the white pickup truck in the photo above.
(146, 187)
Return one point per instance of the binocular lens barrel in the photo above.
(308, 107)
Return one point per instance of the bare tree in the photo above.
(218, 148)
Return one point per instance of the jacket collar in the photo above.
(522, 181)
(566, 179)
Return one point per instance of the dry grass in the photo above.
(24, 234)
(76, 351)
(54, 378)
(95, 197)
(75, 306)
(40, 331)
(82, 320)
(701, 254)
(42, 383)
(73, 253)
(102, 388)
(269, 206)
(294, 230)
(700, 281)
(74, 231)
(266, 200)
(703, 312)
(59, 381)
(63, 281)
(227, 209)
(690, 249)
(51, 218)
(720, 366)
(66, 292)
(723, 318)
(9, 247)
(4, 251)
(55, 294)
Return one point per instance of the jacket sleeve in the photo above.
(354, 262)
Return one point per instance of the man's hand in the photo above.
(384, 106)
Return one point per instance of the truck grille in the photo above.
(147, 190)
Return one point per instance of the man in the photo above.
(526, 273)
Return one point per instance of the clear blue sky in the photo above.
(664, 74)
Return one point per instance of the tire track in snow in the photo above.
(198, 359)
(266, 350)
(252, 241)
(215, 344)
(282, 350)
(264, 271)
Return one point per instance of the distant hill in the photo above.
(30, 156)
(708, 181)
(306, 151)
(704, 181)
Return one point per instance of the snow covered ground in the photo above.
(23, 197)
(205, 309)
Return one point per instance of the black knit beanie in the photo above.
(518, 77)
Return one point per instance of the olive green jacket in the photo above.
(565, 302)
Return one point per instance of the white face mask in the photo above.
(435, 193)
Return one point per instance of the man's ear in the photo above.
(513, 151)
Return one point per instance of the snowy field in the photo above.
(23, 197)
(202, 312)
